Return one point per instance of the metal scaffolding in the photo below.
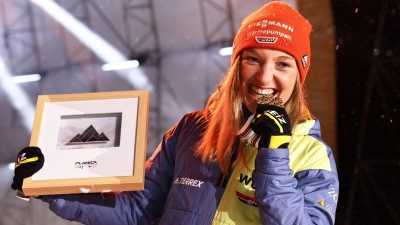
(20, 36)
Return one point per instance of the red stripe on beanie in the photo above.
(277, 26)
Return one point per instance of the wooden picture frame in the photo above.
(92, 142)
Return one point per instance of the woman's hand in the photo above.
(29, 161)
(273, 125)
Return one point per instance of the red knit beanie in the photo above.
(278, 26)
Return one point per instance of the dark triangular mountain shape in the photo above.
(92, 138)
(76, 139)
(89, 135)
(103, 137)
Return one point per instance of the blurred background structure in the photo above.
(64, 46)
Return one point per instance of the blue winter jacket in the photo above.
(296, 186)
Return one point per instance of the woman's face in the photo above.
(266, 71)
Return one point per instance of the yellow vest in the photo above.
(305, 152)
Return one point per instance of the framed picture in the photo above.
(92, 142)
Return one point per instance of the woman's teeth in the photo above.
(262, 92)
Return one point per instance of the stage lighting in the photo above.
(99, 46)
(225, 51)
(18, 98)
(26, 78)
(11, 166)
(120, 65)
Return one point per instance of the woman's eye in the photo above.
(284, 65)
(251, 59)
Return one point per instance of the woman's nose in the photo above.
(265, 74)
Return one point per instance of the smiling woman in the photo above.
(236, 161)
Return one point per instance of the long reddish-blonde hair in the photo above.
(224, 116)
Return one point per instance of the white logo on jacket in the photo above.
(188, 181)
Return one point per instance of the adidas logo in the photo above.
(304, 60)
(189, 182)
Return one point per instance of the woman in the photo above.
(237, 161)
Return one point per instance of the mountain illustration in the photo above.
(89, 135)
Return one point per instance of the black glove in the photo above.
(29, 161)
(273, 125)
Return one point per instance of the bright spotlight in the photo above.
(225, 51)
(26, 78)
(120, 65)
(17, 96)
(94, 42)
(11, 166)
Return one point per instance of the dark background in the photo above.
(368, 88)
